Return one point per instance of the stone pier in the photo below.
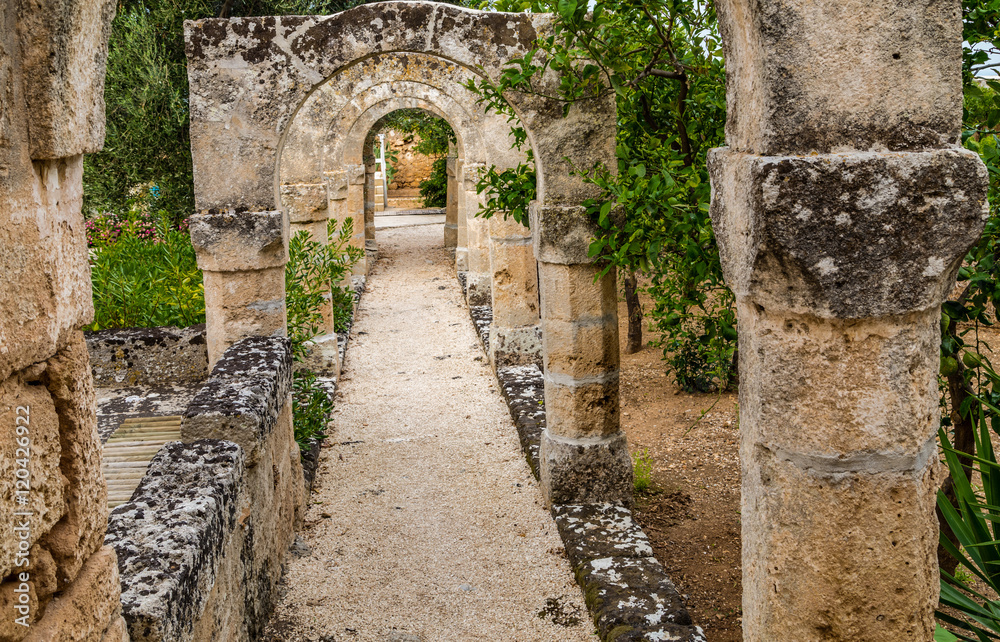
(583, 453)
(355, 209)
(451, 205)
(242, 256)
(307, 205)
(59, 581)
(462, 232)
(843, 207)
(478, 276)
(515, 334)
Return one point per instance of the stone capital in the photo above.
(561, 234)
(239, 241)
(355, 174)
(305, 202)
(847, 236)
(336, 184)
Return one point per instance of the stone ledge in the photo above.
(147, 356)
(243, 398)
(523, 389)
(482, 318)
(170, 536)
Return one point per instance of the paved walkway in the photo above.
(427, 524)
(408, 220)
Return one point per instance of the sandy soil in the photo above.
(426, 524)
(692, 514)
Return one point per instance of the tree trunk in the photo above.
(634, 342)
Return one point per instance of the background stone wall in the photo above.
(411, 166)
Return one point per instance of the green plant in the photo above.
(143, 279)
(311, 408)
(314, 272)
(434, 189)
(642, 471)
(972, 518)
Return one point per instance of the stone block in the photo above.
(794, 232)
(839, 76)
(597, 531)
(305, 202)
(147, 356)
(64, 47)
(582, 408)
(44, 262)
(78, 533)
(336, 185)
(561, 234)
(879, 381)
(88, 610)
(515, 346)
(576, 471)
(569, 293)
(241, 305)
(170, 537)
(800, 583)
(244, 396)
(477, 286)
(239, 241)
(580, 350)
(23, 402)
(633, 599)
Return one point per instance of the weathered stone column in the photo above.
(843, 208)
(451, 205)
(583, 453)
(462, 235)
(370, 207)
(355, 209)
(478, 276)
(59, 582)
(515, 334)
(242, 256)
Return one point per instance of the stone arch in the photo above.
(251, 78)
(248, 77)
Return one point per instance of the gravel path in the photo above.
(427, 524)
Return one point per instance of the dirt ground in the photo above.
(692, 513)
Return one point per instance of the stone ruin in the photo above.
(843, 207)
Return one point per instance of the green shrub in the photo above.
(144, 274)
(434, 190)
(313, 272)
(311, 408)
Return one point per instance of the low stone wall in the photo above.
(201, 543)
(147, 356)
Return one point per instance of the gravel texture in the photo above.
(426, 523)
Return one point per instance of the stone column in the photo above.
(583, 453)
(515, 334)
(451, 206)
(370, 207)
(242, 256)
(843, 208)
(478, 276)
(355, 209)
(462, 235)
(59, 582)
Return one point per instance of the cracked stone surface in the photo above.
(426, 522)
